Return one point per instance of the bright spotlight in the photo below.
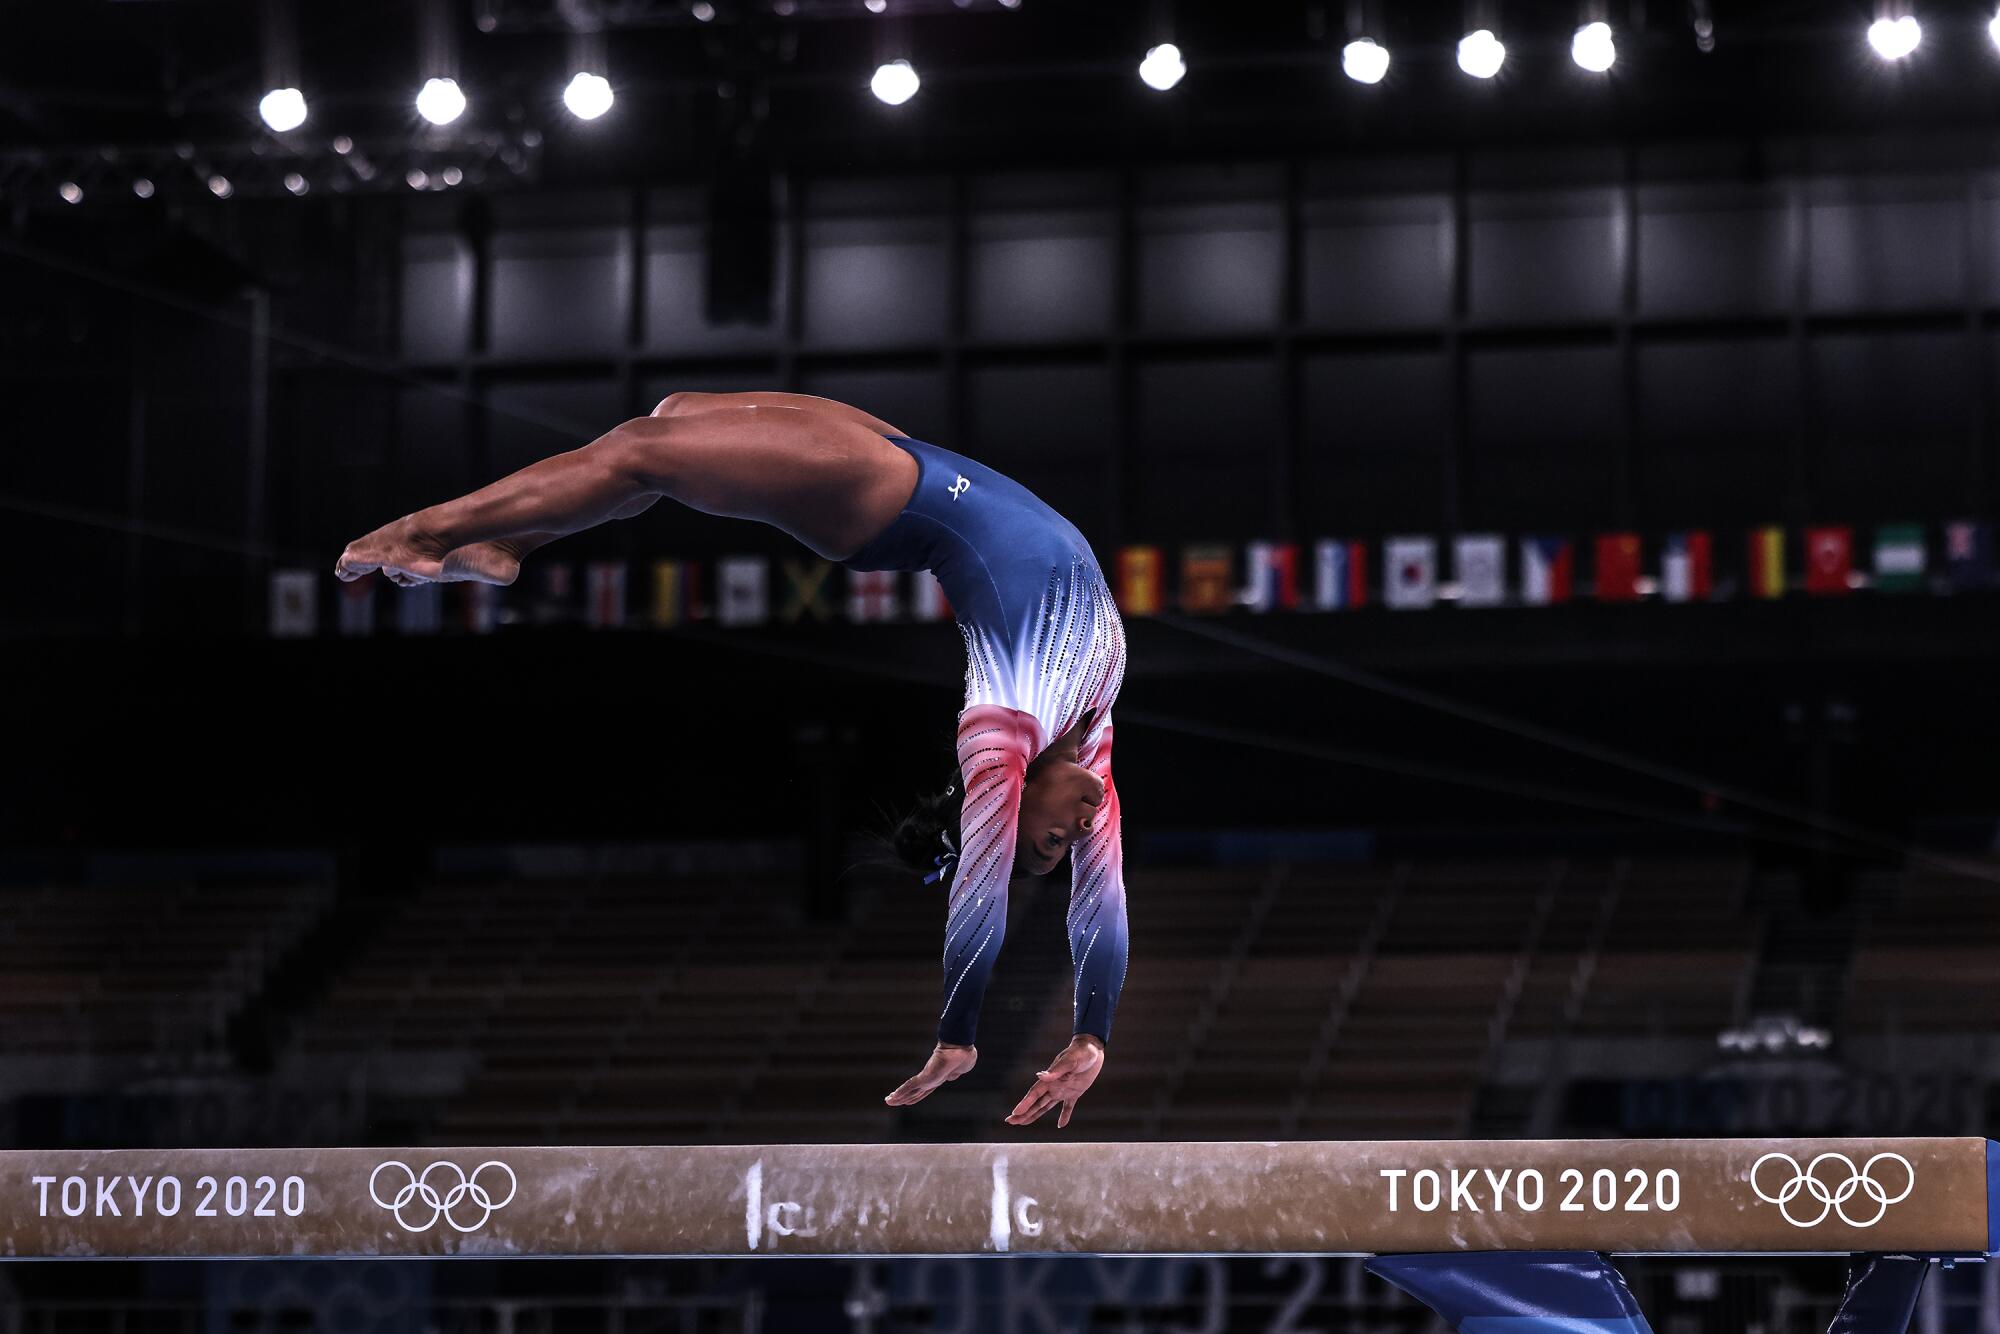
(219, 186)
(588, 96)
(1894, 38)
(895, 82)
(143, 188)
(1993, 30)
(451, 176)
(296, 183)
(703, 11)
(283, 109)
(1480, 54)
(1163, 67)
(1592, 47)
(418, 178)
(1364, 62)
(71, 192)
(440, 101)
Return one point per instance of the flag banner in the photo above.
(1480, 562)
(927, 599)
(478, 607)
(294, 604)
(1687, 568)
(1617, 567)
(1767, 562)
(1273, 569)
(420, 610)
(1340, 575)
(1205, 580)
(1900, 557)
(676, 592)
(1409, 572)
(1548, 568)
(357, 606)
(604, 595)
(1141, 581)
(1968, 556)
(743, 590)
(555, 594)
(872, 595)
(806, 595)
(1829, 560)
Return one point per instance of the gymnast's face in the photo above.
(1058, 806)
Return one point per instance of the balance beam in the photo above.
(1922, 1197)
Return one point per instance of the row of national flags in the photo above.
(1405, 572)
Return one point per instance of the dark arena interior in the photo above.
(1545, 457)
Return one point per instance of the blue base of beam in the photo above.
(1519, 1292)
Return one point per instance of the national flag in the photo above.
(357, 606)
(604, 595)
(1900, 557)
(1968, 555)
(1273, 573)
(1205, 580)
(420, 610)
(555, 594)
(872, 595)
(1409, 572)
(478, 607)
(806, 595)
(1829, 560)
(927, 599)
(1548, 569)
(1479, 560)
(294, 604)
(1687, 568)
(1141, 581)
(1340, 574)
(743, 590)
(1767, 562)
(1617, 567)
(677, 593)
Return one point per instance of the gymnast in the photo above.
(1045, 653)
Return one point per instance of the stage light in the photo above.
(417, 178)
(441, 101)
(71, 192)
(283, 109)
(895, 82)
(1363, 61)
(296, 183)
(703, 11)
(143, 188)
(588, 96)
(1993, 29)
(1592, 47)
(343, 145)
(1163, 67)
(1010, 4)
(876, 6)
(1894, 38)
(219, 186)
(1480, 54)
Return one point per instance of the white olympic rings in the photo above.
(1835, 1198)
(420, 1190)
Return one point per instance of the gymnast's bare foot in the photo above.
(1069, 1075)
(946, 1064)
(483, 563)
(404, 555)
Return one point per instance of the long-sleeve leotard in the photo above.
(1045, 651)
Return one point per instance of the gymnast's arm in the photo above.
(1097, 947)
(995, 745)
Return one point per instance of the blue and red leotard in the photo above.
(1044, 650)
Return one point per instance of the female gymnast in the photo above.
(1045, 652)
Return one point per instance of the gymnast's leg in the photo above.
(821, 475)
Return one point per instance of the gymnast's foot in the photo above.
(482, 563)
(946, 1064)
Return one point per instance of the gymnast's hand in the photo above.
(399, 551)
(1066, 1079)
(945, 1065)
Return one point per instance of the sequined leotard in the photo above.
(1044, 650)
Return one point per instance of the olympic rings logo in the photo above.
(1833, 1198)
(418, 1190)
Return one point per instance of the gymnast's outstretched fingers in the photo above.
(1068, 1077)
(945, 1064)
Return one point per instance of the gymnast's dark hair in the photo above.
(929, 832)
